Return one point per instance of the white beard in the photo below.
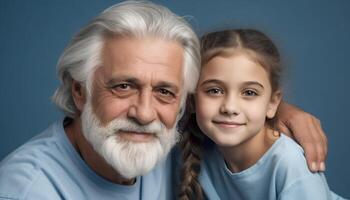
(130, 159)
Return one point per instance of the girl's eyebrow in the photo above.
(212, 81)
(249, 83)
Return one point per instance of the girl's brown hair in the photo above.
(261, 50)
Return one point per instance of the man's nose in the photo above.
(143, 110)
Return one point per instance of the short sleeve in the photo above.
(308, 187)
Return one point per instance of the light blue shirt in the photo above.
(48, 167)
(281, 173)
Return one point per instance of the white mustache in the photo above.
(155, 128)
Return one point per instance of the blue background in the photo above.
(313, 37)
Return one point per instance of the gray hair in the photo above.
(130, 19)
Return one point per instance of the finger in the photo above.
(321, 144)
(310, 143)
(318, 146)
(323, 135)
(320, 157)
(310, 155)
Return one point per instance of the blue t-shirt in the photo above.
(48, 167)
(281, 173)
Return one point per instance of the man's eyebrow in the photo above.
(127, 79)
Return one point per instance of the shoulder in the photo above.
(307, 187)
(288, 159)
(22, 169)
(292, 175)
(287, 154)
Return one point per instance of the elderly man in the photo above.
(125, 77)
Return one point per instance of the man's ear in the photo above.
(79, 95)
(275, 101)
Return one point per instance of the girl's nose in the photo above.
(230, 106)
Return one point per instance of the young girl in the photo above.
(237, 97)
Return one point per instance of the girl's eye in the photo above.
(250, 93)
(214, 91)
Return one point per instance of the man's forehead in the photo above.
(136, 58)
(146, 48)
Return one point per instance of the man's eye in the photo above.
(123, 86)
(123, 89)
(165, 92)
(165, 95)
(250, 93)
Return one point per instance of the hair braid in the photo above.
(191, 155)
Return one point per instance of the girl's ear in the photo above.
(275, 100)
(78, 94)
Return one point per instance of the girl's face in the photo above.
(233, 99)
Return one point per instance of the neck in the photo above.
(246, 154)
(91, 157)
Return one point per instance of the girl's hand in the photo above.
(307, 131)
